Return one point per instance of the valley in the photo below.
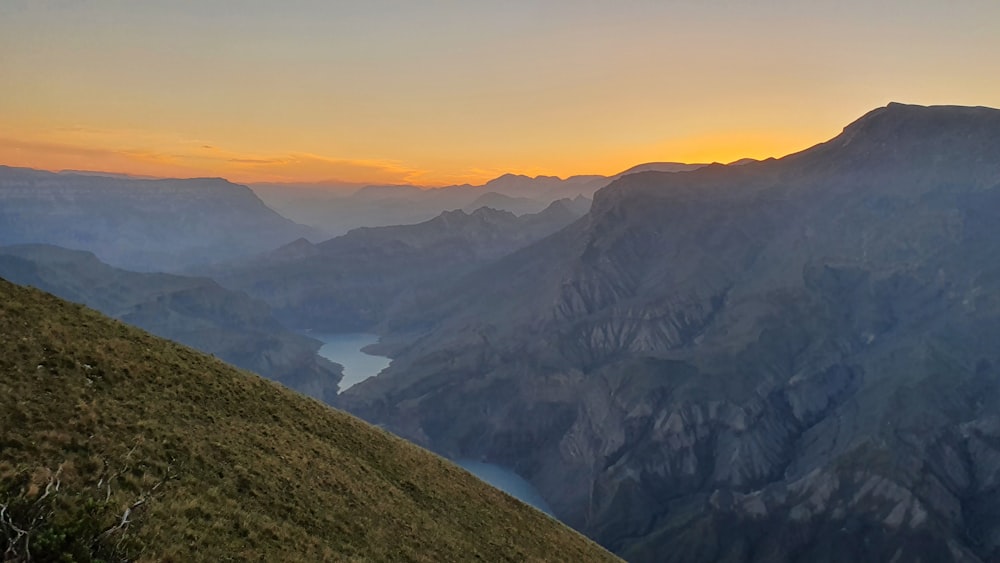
(739, 358)
(706, 362)
(118, 445)
(512, 282)
(347, 349)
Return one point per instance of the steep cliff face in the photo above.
(743, 363)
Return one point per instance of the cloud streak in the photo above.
(205, 160)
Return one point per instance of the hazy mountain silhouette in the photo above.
(660, 167)
(516, 205)
(193, 311)
(352, 282)
(339, 208)
(792, 359)
(139, 224)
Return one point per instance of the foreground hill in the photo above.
(120, 445)
(193, 311)
(352, 282)
(139, 224)
(787, 360)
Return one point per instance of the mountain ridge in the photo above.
(352, 282)
(141, 224)
(706, 351)
(386, 205)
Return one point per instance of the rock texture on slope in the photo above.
(117, 445)
(786, 360)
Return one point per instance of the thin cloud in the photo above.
(311, 168)
(254, 160)
(197, 161)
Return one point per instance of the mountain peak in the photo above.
(491, 212)
(896, 113)
(900, 131)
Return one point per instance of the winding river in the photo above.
(345, 349)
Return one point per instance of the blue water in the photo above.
(345, 349)
(507, 481)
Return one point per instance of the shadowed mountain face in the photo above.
(352, 282)
(139, 224)
(193, 311)
(790, 360)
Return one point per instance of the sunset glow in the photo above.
(438, 93)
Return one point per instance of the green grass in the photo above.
(218, 464)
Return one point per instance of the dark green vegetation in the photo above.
(352, 282)
(193, 311)
(788, 360)
(158, 225)
(118, 444)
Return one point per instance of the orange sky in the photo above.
(441, 92)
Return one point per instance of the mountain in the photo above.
(350, 283)
(664, 167)
(552, 187)
(339, 208)
(786, 360)
(161, 225)
(117, 445)
(193, 311)
(516, 205)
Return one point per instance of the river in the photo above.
(507, 481)
(345, 349)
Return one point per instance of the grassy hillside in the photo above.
(116, 444)
(196, 312)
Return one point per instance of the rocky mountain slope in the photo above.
(139, 224)
(193, 311)
(117, 445)
(352, 282)
(786, 360)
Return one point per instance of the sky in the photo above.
(447, 92)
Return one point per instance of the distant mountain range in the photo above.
(787, 360)
(193, 311)
(338, 208)
(140, 224)
(352, 282)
